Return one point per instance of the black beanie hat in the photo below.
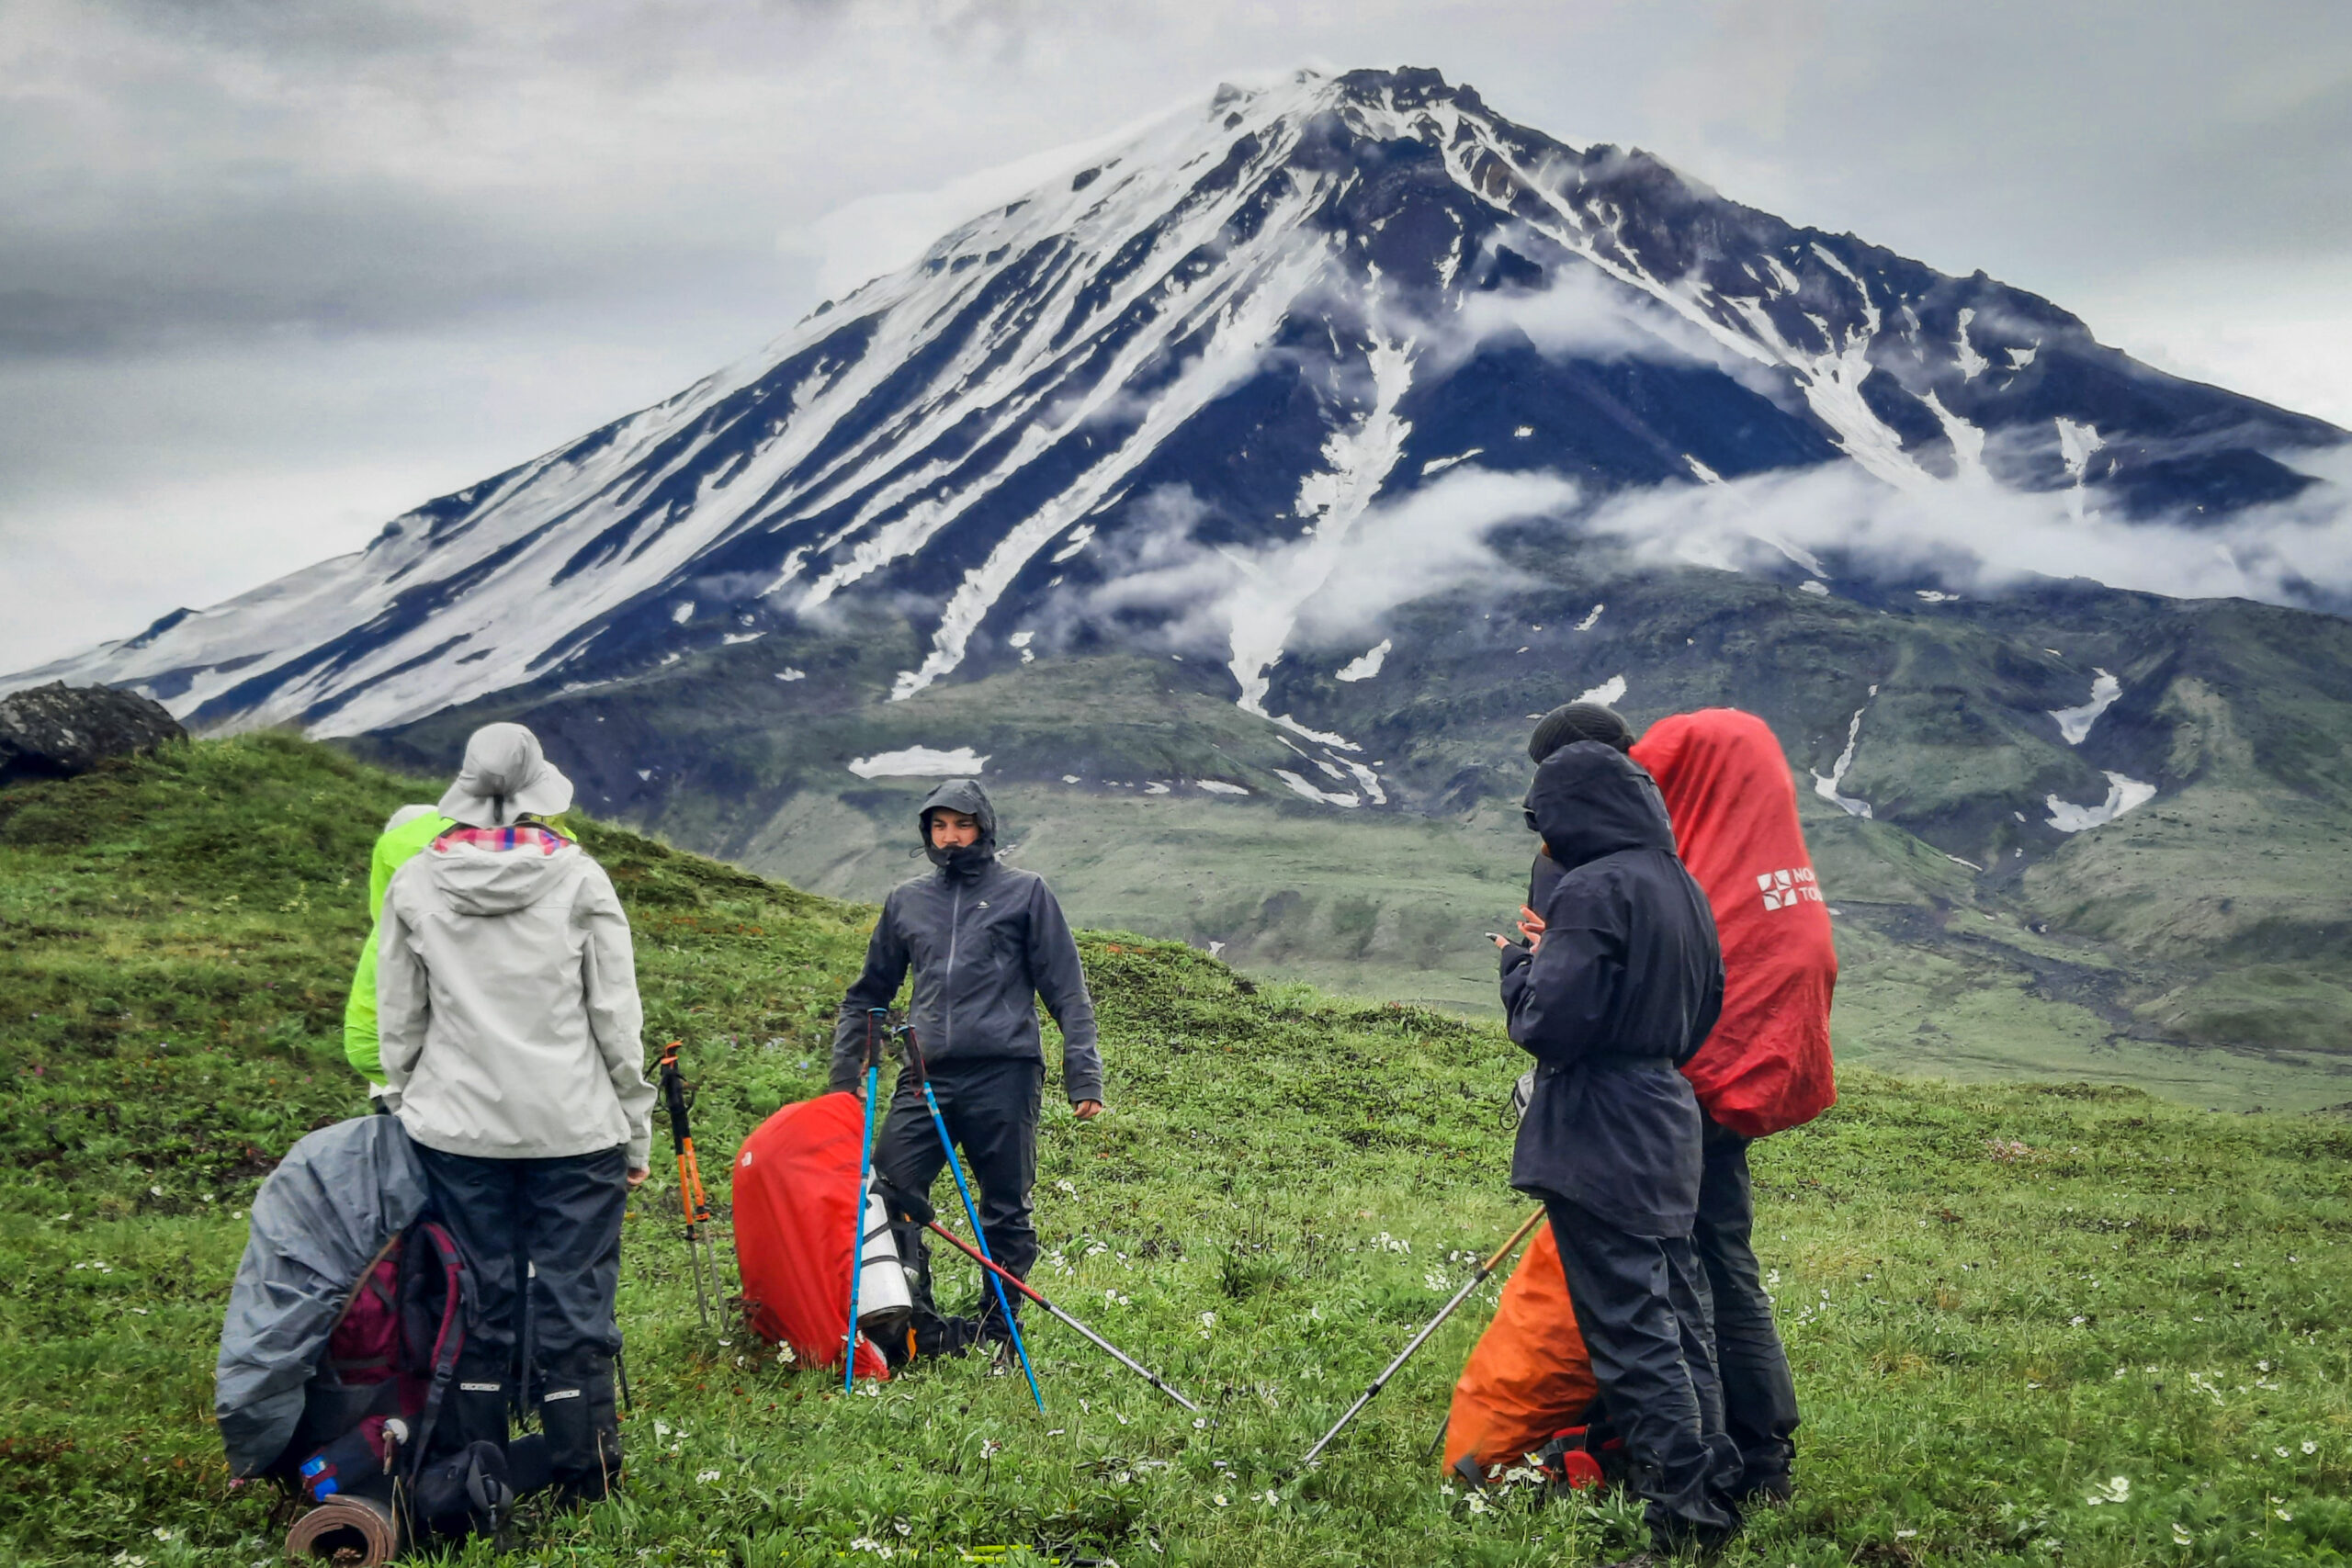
(1572, 722)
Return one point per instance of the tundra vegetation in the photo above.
(2031, 1323)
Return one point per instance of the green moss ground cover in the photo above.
(2053, 1324)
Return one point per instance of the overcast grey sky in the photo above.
(274, 271)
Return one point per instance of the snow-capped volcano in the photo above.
(1257, 325)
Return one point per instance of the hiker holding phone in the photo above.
(986, 942)
(508, 1019)
(1620, 986)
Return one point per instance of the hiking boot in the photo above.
(583, 1439)
(945, 1335)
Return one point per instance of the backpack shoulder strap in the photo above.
(449, 1311)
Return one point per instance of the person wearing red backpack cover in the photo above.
(1765, 1065)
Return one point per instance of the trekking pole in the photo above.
(677, 1095)
(914, 1064)
(1489, 1266)
(1018, 1283)
(874, 1017)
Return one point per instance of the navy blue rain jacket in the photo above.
(1624, 988)
(986, 942)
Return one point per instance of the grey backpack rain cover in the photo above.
(338, 1195)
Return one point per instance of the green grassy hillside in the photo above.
(1998, 1299)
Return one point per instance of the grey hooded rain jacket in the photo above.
(986, 942)
(506, 1004)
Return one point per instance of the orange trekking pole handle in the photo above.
(677, 1095)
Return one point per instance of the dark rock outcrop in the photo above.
(56, 731)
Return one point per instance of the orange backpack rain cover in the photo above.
(796, 1190)
(1530, 1377)
(1733, 804)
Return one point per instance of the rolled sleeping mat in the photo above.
(884, 1305)
(341, 1526)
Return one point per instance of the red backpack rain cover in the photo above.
(795, 1192)
(1733, 802)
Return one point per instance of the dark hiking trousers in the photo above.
(562, 1217)
(1637, 1304)
(990, 1107)
(1760, 1396)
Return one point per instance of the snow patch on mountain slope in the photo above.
(1967, 442)
(2074, 723)
(1365, 665)
(1972, 363)
(1826, 786)
(920, 762)
(1299, 786)
(2123, 794)
(1265, 607)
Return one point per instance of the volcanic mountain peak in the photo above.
(1248, 331)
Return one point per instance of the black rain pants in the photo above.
(560, 1217)
(1639, 1304)
(990, 1107)
(1759, 1397)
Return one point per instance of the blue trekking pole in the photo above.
(914, 1064)
(865, 1185)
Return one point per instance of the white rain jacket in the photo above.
(506, 1004)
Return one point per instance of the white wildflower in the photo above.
(2116, 1490)
(707, 1476)
(2310, 1447)
(1218, 1498)
(2180, 1535)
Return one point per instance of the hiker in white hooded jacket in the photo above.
(508, 1019)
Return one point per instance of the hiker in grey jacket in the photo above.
(986, 942)
(508, 1019)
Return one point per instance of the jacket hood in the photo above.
(967, 796)
(1591, 800)
(477, 880)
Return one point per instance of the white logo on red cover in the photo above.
(1782, 889)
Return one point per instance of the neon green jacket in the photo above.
(399, 841)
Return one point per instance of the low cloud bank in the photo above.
(1984, 539)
